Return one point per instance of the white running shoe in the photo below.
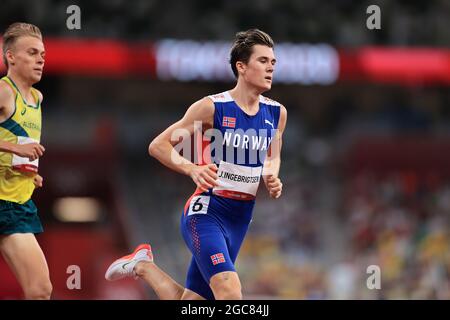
(124, 267)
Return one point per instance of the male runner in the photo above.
(245, 127)
(20, 148)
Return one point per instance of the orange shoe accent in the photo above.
(140, 247)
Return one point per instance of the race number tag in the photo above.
(236, 178)
(22, 163)
(199, 205)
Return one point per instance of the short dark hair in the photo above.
(16, 30)
(243, 46)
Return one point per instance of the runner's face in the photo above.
(28, 57)
(260, 67)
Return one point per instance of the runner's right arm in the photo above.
(162, 147)
(30, 150)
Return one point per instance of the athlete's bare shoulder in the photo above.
(201, 110)
(6, 99)
(205, 104)
(283, 118)
(5, 90)
(41, 96)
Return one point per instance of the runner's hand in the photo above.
(274, 186)
(205, 177)
(38, 180)
(31, 151)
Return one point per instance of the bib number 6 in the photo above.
(199, 205)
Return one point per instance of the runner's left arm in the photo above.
(272, 162)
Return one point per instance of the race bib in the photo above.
(22, 163)
(199, 205)
(237, 181)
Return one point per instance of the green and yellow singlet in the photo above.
(24, 126)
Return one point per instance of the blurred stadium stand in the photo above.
(339, 22)
(365, 160)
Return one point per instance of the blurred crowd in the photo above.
(398, 227)
(341, 23)
(402, 225)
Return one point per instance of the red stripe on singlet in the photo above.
(236, 195)
(203, 157)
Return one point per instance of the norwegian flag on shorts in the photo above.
(229, 122)
(217, 258)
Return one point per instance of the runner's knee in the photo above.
(226, 286)
(41, 290)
